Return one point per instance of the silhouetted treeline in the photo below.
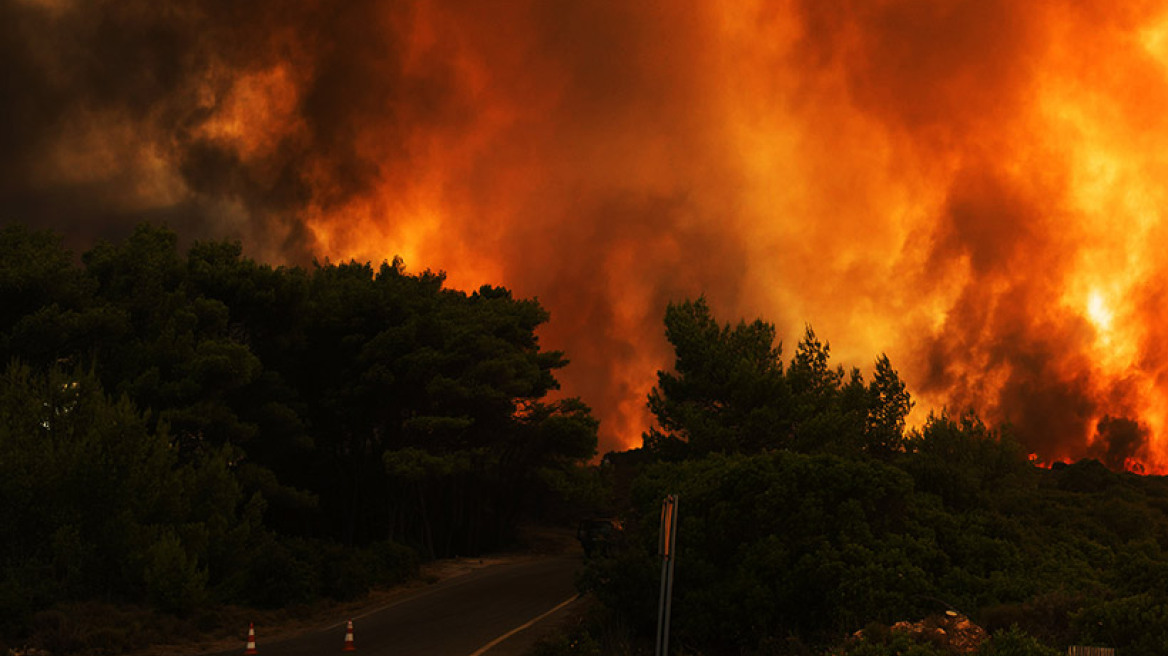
(190, 426)
(807, 512)
(729, 393)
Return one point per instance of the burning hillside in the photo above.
(972, 186)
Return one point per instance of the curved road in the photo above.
(461, 616)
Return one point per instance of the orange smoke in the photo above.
(972, 186)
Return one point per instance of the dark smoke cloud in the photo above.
(910, 176)
(1002, 349)
(142, 79)
(958, 86)
(118, 93)
(1119, 439)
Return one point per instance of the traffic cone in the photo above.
(250, 641)
(349, 638)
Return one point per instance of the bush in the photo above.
(174, 580)
(348, 573)
(891, 643)
(774, 544)
(23, 591)
(291, 571)
(1135, 625)
(56, 632)
(283, 574)
(576, 643)
(591, 631)
(393, 562)
(1047, 616)
(1015, 642)
(100, 628)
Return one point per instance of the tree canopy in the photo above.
(809, 511)
(168, 412)
(729, 392)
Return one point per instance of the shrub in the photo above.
(393, 562)
(576, 643)
(348, 573)
(174, 580)
(891, 643)
(283, 576)
(1015, 642)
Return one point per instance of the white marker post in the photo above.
(666, 545)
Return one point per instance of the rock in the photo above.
(951, 631)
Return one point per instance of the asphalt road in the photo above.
(457, 617)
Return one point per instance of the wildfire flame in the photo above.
(973, 186)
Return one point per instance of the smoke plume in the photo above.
(971, 186)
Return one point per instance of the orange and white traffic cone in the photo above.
(349, 638)
(250, 641)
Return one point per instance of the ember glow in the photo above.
(973, 186)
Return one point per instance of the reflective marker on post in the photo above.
(667, 542)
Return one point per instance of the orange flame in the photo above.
(973, 186)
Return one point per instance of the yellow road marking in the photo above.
(482, 650)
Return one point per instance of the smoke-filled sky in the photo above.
(972, 186)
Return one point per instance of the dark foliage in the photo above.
(169, 417)
(807, 512)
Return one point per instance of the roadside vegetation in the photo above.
(187, 432)
(183, 430)
(809, 513)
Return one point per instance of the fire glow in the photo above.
(973, 186)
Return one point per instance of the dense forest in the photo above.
(189, 427)
(182, 429)
(808, 512)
